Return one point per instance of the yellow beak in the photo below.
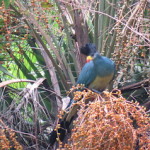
(89, 58)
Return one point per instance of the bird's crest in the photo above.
(89, 49)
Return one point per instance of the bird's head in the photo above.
(89, 50)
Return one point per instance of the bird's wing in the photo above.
(87, 74)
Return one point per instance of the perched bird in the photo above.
(96, 74)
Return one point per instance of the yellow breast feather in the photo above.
(100, 83)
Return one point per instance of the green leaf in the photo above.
(6, 3)
(141, 65)
(0, 2)
(1, 22)
(5, 71)
(32, 65)
(1, 46)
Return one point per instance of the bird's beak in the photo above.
(89, 58)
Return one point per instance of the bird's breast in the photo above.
(100, 83)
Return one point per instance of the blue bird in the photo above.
(98, 72)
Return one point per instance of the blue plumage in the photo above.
(97, 73)
(86, 76)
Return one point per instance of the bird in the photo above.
(99, 70)
(96, 75)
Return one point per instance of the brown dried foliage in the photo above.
(109, 122)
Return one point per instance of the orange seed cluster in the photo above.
(8, 138)
(109, 122)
